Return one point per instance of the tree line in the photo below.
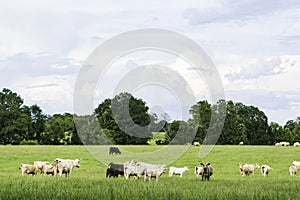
(125, 119)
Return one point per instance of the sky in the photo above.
(254, 46)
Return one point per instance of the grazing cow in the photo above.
(265, 169)
(114, 150)
(207, 171)
(285, 144)
(196, 144)
(296, 144)
(296, 163)
(40, 164)
(28, 169)
(115, 170)
(50, 169)
(177, 171)
(246, 169)
(277, 144)
(66, 166)
(198, 170)
(154, 171)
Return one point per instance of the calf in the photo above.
(207, 171)
(177, 171)
(28, 169)
(246, 169)
(198, 170)
(265, 169)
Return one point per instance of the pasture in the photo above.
(89, 181)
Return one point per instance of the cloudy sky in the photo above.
(253, 44)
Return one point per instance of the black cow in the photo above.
(114, 150)
(207, 171)
(114, 170)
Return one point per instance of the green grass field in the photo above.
(89, 181)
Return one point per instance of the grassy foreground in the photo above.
(89, 182)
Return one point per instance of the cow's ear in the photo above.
(202, 164)
(208, 163)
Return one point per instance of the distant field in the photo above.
(89, 182)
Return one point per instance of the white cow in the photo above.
(296, 144)
(28, 169)
(40, 164)
(177, 171)
(293, 170)
(154, 171)
(265, 169)
(138, 169)
(196, 144)
(198, 170)
(66, 165)
(246, 169)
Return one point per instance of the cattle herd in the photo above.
(59, 167)
(140, 169)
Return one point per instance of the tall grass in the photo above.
(89, 181)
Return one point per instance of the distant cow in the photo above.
(115, 170)
(241, 143)
(177, 171)
(246, 169)
(66, 166)
(265, 169)
(198, 170)
(296, 144)
(196, 144)
(28, 169)
(114, 150)
(285, 144)
(207, 171)
(293, 170)
(40, 164)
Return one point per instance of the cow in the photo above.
(293, 170)
(114, 150)
(28, 169)
(177, 171)
(296, 163)
(40, 164)
(114, 170)
(246, 169)
(138, 169)
(154, 171)
(50, 169)
(207, 171)
(66, 166)
(296, 144)
(198, 170)
(285, 144)
(196, 144)
(241, 143)
(265, 169)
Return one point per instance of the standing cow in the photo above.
(207, 171)
(66, 166)
(177, 171)
(114, 170)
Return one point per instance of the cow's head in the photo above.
(77, 163)
(205, 165)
